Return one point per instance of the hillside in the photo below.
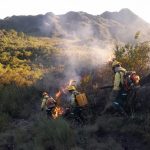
(109, 26)
(30, 65)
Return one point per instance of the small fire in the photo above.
(64, 88)
(58, 94)
(57, 112)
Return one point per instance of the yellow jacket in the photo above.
(43, 104)
(118, 79)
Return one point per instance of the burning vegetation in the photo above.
(57, 112)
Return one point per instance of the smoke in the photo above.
(82, 59)
(86, 44)
(82, 46)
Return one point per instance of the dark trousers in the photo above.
(49, 111)
(119, 101)
(78, 114)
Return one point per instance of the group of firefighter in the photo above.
(49, 103)
(117, 97)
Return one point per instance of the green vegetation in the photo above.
(43, 134)
(23, 62)
(29, 65)
(134, 56)
(21, 57)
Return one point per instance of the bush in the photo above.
(107, 144)
(134, 57)
(17, 101)
(4, 121)
(53, 134)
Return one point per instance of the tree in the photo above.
(134, 56)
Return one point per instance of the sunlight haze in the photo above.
(9, 8)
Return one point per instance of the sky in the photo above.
(95, 7)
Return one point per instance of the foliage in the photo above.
(134, 56)
(23, 59)
(28, 66)
(42, 134)
(4, 121)
(14, 100)
(53, 134)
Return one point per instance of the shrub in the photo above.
(53, 134)
(17, 101)
(134, 57)
(4, 121)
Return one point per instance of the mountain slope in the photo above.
(120, 26)
(129, 22)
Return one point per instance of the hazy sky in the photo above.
(34, 7)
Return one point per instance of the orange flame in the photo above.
(57, 112)
(58, 94)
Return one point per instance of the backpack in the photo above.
(50, 102)
(130, 80)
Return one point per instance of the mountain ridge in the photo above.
(119, 26)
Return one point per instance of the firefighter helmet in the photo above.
(71, 88)
(45, 93)
(115, 63)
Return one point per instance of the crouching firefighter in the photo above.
(118, 95)
(48, 103)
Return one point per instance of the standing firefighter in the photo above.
(118, 94)
(48, 103)
(75, 108)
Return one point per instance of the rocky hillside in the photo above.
(109, 26)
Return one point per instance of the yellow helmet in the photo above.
(115, 63)
(44, 93)
(71, 88)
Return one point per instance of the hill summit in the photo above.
(109, 26)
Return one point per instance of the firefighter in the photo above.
(75, 108)
(118, 95)
(48, 103)
(72, 95)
